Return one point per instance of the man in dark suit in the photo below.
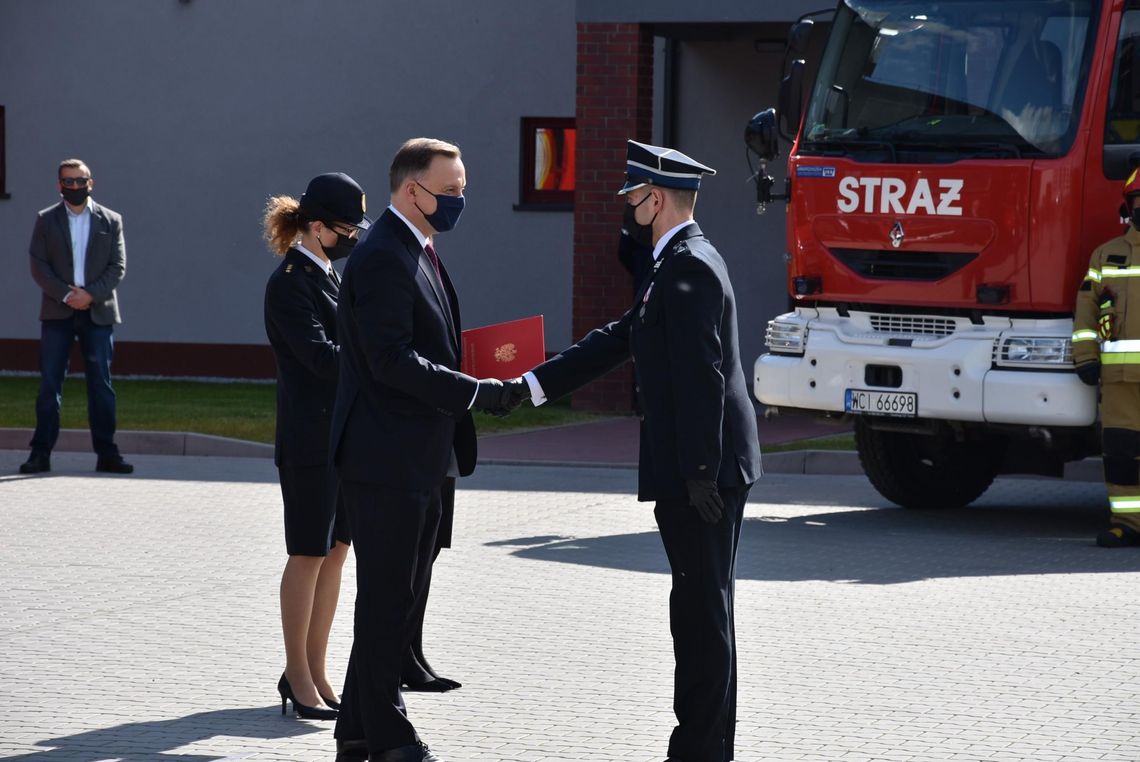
(401, 424)
(78, 258)
(699, 448)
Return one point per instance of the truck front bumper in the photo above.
(955, 376)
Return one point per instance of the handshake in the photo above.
(500, 398)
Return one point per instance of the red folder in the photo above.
(503, 350)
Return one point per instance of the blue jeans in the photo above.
(97, 345)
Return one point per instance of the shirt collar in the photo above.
(423, 239)
(664, 240)
(73, 215)
(326, 266)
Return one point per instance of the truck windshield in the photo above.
(953, 77)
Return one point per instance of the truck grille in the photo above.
(903, 265)
(912, 325)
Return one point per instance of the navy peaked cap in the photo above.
(663, 167)
(335, 197)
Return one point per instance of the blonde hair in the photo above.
(283, 223)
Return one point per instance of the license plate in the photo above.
(867, 402)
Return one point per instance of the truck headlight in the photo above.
(786, 334)
(1029, 351)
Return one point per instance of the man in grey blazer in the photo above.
(78, 258)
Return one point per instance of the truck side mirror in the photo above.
(791, 99)
(799, 36)
(760, 135)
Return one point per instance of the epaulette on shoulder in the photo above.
(289, 267)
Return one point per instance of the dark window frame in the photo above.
(531, 198)
(3, 156)
(1119, 151)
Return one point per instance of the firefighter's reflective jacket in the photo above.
(1104, 328)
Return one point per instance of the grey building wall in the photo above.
(191, 114)
(721, 83)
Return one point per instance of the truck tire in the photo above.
(920, 471)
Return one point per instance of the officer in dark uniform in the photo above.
(300, 320)
(699, 449)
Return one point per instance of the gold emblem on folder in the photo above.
(506, 353)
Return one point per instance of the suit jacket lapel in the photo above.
(416, 252)
(436, 287)
(453, 308)
(64, 229)
(94, 227)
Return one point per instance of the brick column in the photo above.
(614, 103)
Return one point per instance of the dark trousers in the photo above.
(393, 536)
(702, 558)
(414, 660)
(97, 344)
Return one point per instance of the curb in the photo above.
(797, 462)
(146, 443)
(813, 463)
(805, 462)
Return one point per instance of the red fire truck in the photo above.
(952, 167)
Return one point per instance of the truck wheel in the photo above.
(920, 471)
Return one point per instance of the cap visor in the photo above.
(630, 185)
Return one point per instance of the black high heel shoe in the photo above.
(304, 712)
(331, 703)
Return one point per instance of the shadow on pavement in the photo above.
(155, 739)
(886, 546)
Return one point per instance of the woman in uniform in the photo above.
(300, 320)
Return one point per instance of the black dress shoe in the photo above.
(448, 681)
(351, 749)
(114, 464)
(434, 685)
(37, 463)
(418, 752)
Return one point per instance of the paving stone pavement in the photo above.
(138, 621)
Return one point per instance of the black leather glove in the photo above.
(489, 397)
(703, 496)
(1089, 373)
(515, 392)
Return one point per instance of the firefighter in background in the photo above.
(1106, 348)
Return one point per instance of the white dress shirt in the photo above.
(79, 225)
(537, 396)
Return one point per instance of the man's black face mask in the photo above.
(642, 234)
(75, 196)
